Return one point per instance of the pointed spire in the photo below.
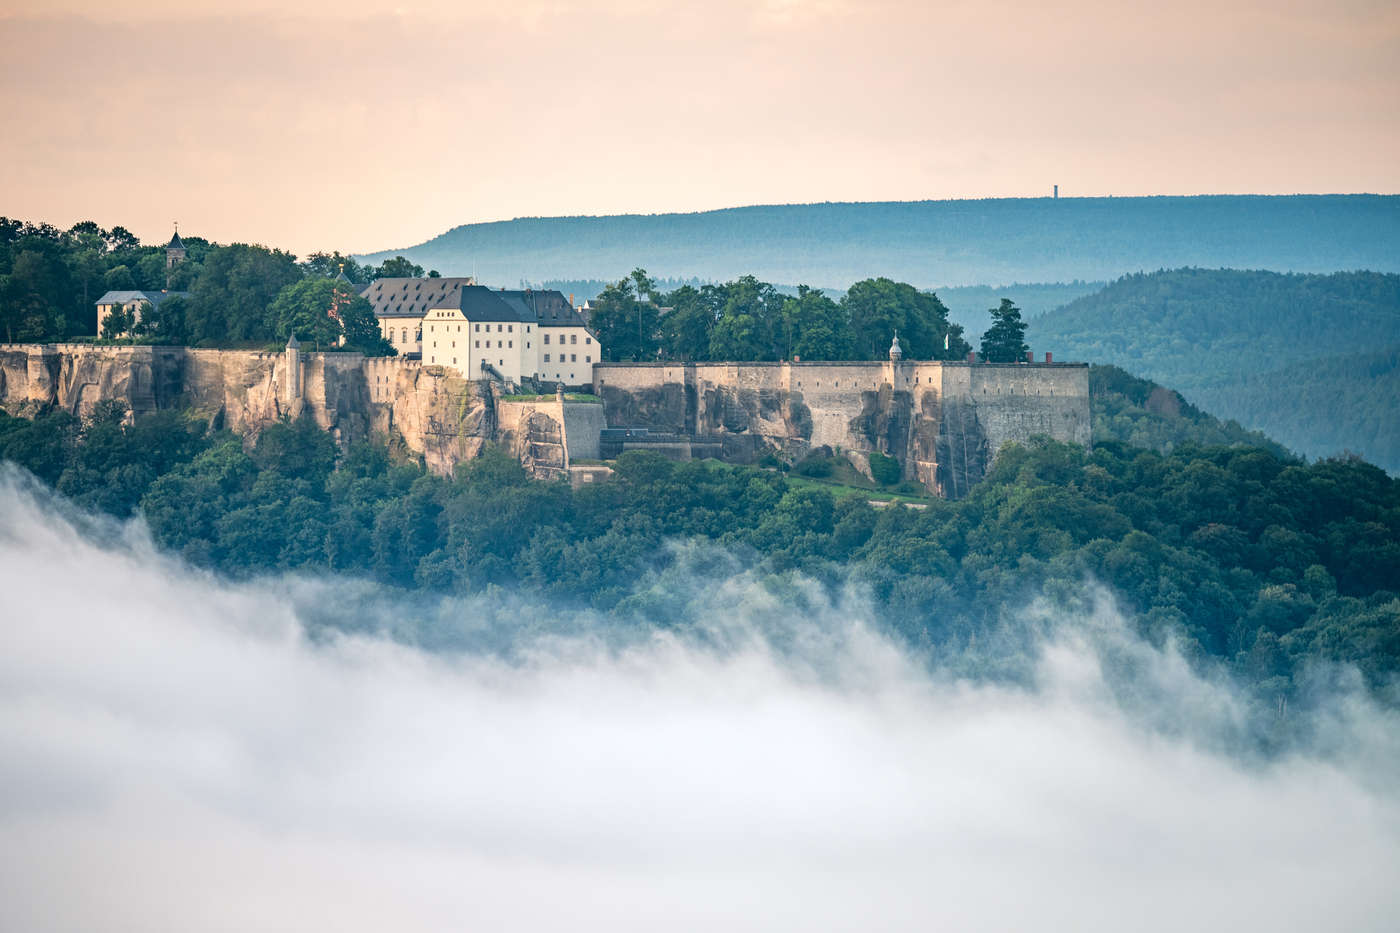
(175, 241)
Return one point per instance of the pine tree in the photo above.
(1005, 340)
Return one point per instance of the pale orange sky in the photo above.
(362, 126)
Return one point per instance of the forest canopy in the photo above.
(51, 279)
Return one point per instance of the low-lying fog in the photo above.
(180, 753)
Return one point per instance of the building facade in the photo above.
(484, 333)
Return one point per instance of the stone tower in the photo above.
(174, 255)
(293, 359)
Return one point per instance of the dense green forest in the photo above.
(1334, 403)
(937, 243)
(967, 304)
(747, 319)
(1141, 413)
(238, 294)
(1259, 561)
(1272, 351)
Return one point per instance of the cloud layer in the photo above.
(181, 753)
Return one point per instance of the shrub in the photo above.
(884, 469)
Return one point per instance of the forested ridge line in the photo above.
(932, 244)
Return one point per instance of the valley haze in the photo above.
(181, 752)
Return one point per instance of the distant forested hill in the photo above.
(1336, 403)
(935, 243)
(1140, 413)
(1296, 356)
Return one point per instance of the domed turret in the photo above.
(896, 352)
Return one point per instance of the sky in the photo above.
(358, 126)
(180, 752)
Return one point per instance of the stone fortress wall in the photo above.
(943, 421)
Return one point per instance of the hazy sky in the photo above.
(356, 125)
(177, 754)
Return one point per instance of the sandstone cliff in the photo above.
(944, 422)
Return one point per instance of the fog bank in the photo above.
(183, 753)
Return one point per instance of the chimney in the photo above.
(1048, 357)
(1030, 356)
(972, 356)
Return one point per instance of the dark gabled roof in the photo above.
(176, 242)
(551, 308)
(480, 303)
(520, 303)
(414, 297)
(126, 297)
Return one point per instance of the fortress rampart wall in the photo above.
(943, 421)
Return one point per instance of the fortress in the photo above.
(943, 421)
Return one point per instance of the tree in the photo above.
(321, 310)
(749, 326)
(876, 308)
(230, 299)
(884, 468)
(163, 323)
(396, 268)
(360, 326)
(119, 321)
(331, 265)
(814, 327)
(625, 322)
(687, 325)
(1005, 340)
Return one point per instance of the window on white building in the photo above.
(546, 357)
(546, 338)
(573, 338)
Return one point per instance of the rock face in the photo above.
(435, 413)
(943, 421)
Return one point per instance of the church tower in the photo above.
(174, 255)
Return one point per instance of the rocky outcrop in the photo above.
(944, 422)
(433, 412)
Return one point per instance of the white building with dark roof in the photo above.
(487, 333)
(402, 304)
